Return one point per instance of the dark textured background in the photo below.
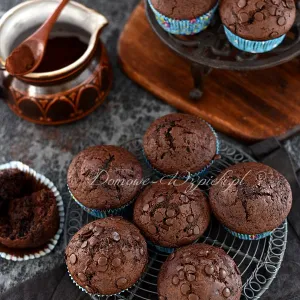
(126, 114)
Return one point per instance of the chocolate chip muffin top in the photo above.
(107, 256)
(104, 177)
(258, 20)
(29, 222)
(199, 272)
(251, 198)
(179, 143)
(172, 213)
(183, 9)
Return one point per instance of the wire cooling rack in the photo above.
(258, 261)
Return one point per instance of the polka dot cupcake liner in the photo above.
(99, 295)
(249, 237)
(101, 214)
(60, 206)
(252, 46)
(190, 176)
(184, 27)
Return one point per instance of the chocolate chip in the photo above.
(181, 275)
(171, 213)
(116, 237)
(152, 229)
(196, 230)
(187, 260)
(191, 277)
(102, 261)
(142, 251)
(145, 219)
(116, 262)
(260, 4)
(279, 12)
(272, 10)
(175, 280)
(190, 269)
(290, 4)
(193, 297)
(274, 34)
(161, 298)
(185, 288)
(102, 268)
(223, 274)
(226, 292)
(242, 3)
(190, 232)
(81, 276)
(121, 282)
(243, 16)
(73, 259)
(161, 199)
(93, 241)
(178, 268)
(146, 207)
(259, 16)
(276, 2)
(84, 244)
(87, 234)
(169, 222)
(209, 270)
(190, 219)
(184, 198)
(281, 21)
(158, 216)
(98, 230)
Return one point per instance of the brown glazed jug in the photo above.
(75, 76)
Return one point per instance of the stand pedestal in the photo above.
(250, 105)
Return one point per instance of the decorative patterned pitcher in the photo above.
(63, 95)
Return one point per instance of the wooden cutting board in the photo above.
(250, 106)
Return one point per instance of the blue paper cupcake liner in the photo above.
(184, 27)
(249, 237)
(252, 46)
(101, 214)
(98, 295)
(191, 176)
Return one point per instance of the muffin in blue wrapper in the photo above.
(257, 26)
(124, 211)
(250, 200)
(107, 257)
(252, 46)
(182, 18)
(171, 214)
(180, 146)
(104, 180)
(249, 237)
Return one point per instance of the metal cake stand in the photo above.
(258, 261)
(210, 50)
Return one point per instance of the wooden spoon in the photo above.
(28, 55)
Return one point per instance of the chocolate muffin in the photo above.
(183, 10)
(14, 184)
(199, 272)
(29, 222)
(250, 198)
(107, 256)
(180, 144)
(172, 213)
(258, 20)
(104, 177)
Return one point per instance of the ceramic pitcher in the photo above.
(63, 95)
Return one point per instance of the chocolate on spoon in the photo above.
(27, 57)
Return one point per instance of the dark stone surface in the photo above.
(126, 114)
